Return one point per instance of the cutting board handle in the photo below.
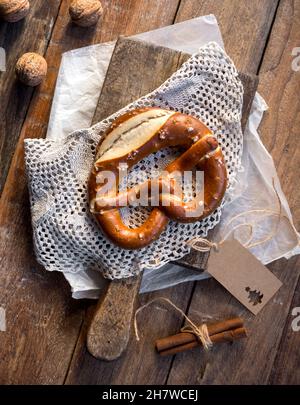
(109, 330)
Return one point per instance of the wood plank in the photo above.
(119, 18)
(130, 75)
(286, 369)
(244, 24)
(124, 84)
(280, 86)
(243, 363)
(31, 34)
(43, 321)
(250, 84)
(280, 129)
(110, 328)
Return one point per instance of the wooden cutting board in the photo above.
(137, 68)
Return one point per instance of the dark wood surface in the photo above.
(44, 341)
(17, 39)
(280, 131)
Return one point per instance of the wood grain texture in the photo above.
(280, 86)
(280, 131)
(286, 369)
(125, 82)
(29, 35)
(243, 363)
(110, 328)
(245, 26)
(250, 84)
(43, 320)
(119, 18)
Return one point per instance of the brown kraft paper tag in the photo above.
(242, 275)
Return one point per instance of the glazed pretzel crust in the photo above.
(134, 136)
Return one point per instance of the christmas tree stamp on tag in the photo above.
(244, 276)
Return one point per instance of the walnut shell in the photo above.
(85, 12)
(31, 69)
(14, 10)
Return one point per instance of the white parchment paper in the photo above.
(79, 84)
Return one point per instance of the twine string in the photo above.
(201, 332)
(204, 245)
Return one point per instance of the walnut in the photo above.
(85, 12)
(14, 10)
(31, 69)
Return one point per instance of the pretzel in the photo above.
(132, 137)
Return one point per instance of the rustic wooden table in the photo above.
(45, 337)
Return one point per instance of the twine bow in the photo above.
(200, 332)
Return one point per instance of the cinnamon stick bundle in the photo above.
(225, 331)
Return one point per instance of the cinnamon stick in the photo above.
(223, 337)
(184, 338)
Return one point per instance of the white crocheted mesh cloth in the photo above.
(67, 237)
